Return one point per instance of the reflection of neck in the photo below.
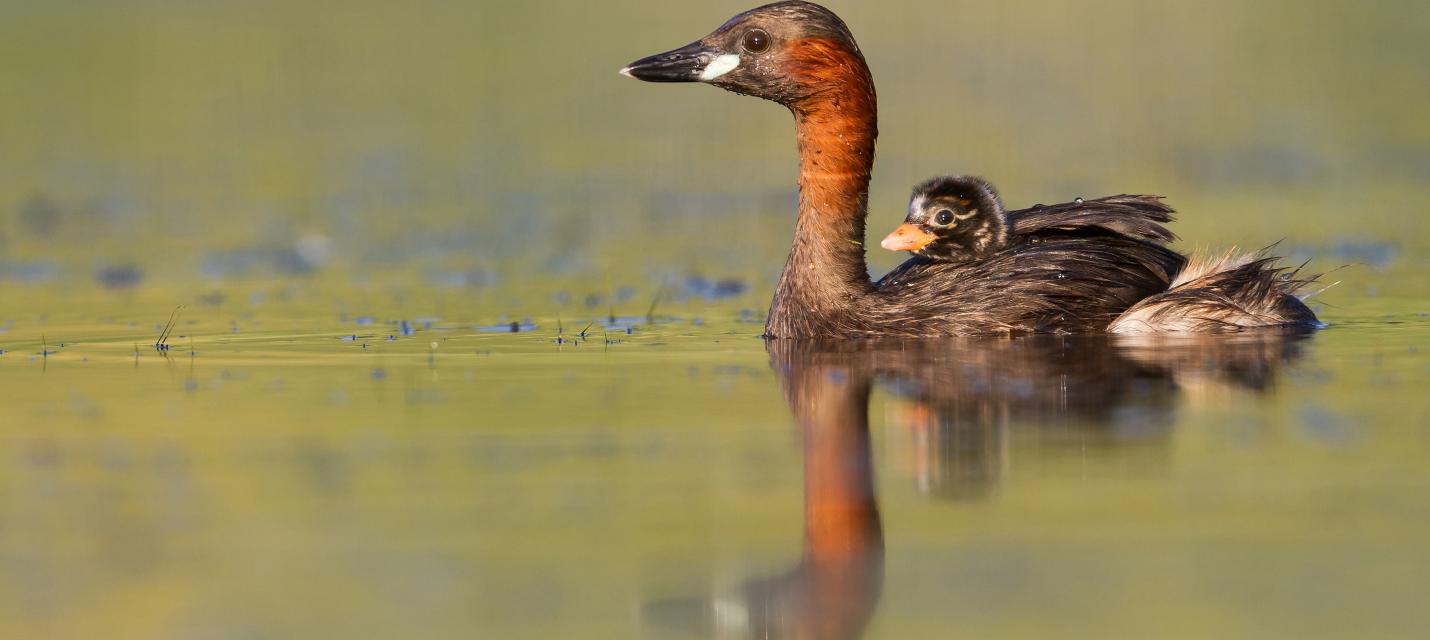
(842, 572)
(841, 517)
(826, 274)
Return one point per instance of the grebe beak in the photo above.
(693, 62)
(908, 237)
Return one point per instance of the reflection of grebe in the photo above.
(802, 56)
(963, 408)
(952, 460)
(969, 395)
(832, 592)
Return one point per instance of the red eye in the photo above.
(756, 41)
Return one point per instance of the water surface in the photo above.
(686, 480)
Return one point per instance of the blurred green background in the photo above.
(492, 143)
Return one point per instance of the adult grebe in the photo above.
(802, 56)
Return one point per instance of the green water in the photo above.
(343, 437)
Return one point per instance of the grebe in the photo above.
(956, 218)
(952, 218)
(961, 218)
(802, 56)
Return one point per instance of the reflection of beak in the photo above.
(908, 237)
(689, 63)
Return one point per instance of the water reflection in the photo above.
(961, 400)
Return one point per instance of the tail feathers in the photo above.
(1139, 217)
(1202, 266)
(1229, 292)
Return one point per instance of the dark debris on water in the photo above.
(712, 290)
(508, 327)
(119, 276)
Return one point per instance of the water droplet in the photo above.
(1078, 200)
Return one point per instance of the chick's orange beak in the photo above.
(908, 237)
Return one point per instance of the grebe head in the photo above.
(952, 218)
(786, 52)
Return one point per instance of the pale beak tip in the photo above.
(626, 71)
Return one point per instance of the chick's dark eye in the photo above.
(944, 216)
(756, 41)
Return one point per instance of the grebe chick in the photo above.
(952, 218)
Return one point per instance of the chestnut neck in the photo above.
(836, 128)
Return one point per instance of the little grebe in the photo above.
(802, 56)
(957, 218)
(952, 218)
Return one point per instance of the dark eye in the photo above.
(944, 216)
(756, 41)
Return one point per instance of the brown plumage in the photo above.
(1138, 217)
(1221, 294)
(1069, 283)
(956, 218)
(1094, 260)
(1211, 294)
